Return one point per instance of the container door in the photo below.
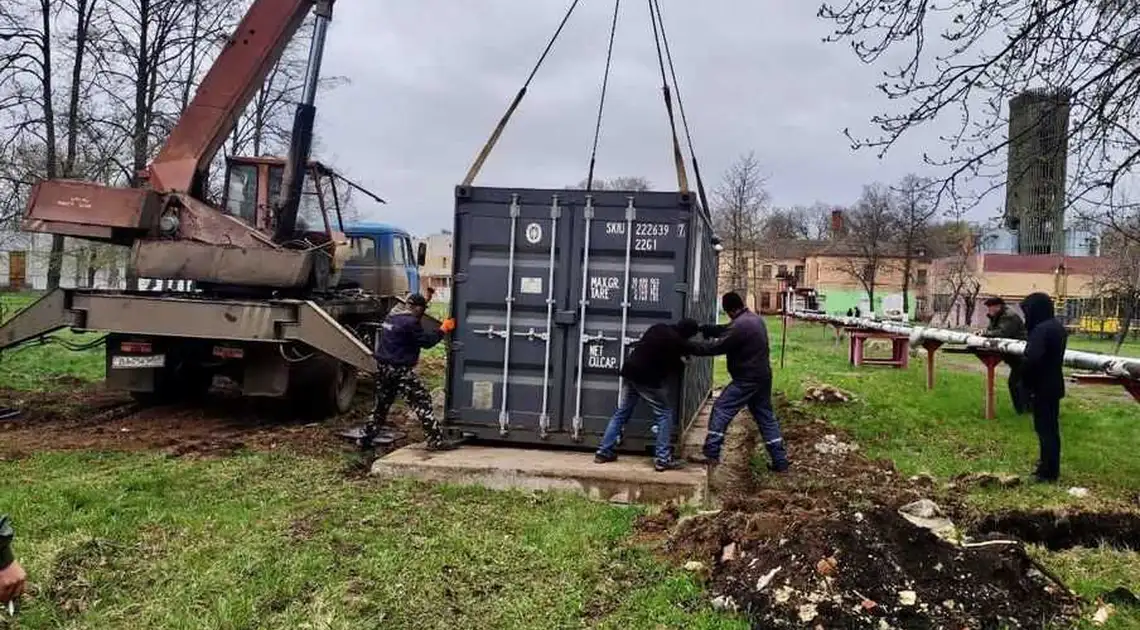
(630, 260)
(507, 370)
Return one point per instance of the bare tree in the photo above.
(990, 51)
(1118, 280)
(915, 209)
(738, 209)
(786, 224)
(958, 279)
(634, 184)
(871, 230)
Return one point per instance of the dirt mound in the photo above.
(863, 570)
(825, 547)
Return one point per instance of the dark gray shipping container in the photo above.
(524, 260)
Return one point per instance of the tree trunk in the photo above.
(1125, 326)
(908, 262)
(51, 171)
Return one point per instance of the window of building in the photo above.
(799, 272)
(782, 271)
(868, 272)
(920, 277)
(765, 301)
(766, 272)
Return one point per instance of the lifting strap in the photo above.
(664, 55)
(602, 101)
(678, 158)
(684, 119)
(473, 172)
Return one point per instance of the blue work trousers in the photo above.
(758, 398)
(657, 399)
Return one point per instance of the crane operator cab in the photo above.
(374, 257)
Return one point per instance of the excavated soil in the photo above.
(86, 417)
(825, 547)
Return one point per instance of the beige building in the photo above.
(827, 272)
(436, 272)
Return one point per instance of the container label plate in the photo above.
(531, 285)
(482, 395)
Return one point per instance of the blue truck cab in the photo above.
(382, 259)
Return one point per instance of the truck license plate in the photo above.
(135, 362)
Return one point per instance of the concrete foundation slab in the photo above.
(628, 480)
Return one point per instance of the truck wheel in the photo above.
(323, 387)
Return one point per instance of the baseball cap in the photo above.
(994, 301)
(416, 299)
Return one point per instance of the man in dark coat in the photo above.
(656, 357)
(744, 341)
(402, 337)
(1005, 324)
(1044, 380)
(12, 576)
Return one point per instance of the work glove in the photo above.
(448, 325)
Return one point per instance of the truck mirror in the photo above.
(421, 254)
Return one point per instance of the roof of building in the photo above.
(787, 249)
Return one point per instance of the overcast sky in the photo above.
(430, 78)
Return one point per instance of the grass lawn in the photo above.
(277, 541)
(263, 541)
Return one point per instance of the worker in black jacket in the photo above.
(1044, 380)
(655, 358)
(1005, 324)
(745, 343)
(402, 337)
(12, 576)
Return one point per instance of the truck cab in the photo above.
(382, 259)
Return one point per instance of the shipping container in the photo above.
(551, 289)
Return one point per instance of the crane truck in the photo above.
(282, 309)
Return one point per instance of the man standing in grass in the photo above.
(402, 337)
(1044, 381)
(1005, 324)
(656, 357)
(12, 576)
(744, 342)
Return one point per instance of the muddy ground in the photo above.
(77, 416)
(826, 546)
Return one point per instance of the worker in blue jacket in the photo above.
(744, 342)
(402, 337)
(12, 576)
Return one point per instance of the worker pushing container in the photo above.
(551, 288)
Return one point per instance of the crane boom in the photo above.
(237, 74)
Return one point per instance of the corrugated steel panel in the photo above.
(549, 287)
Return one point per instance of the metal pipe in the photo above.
(630, 215)
(544, 417)
(583, 302)
(1120, 367)
(504, 415)
(316, 52)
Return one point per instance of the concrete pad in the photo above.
(630, 479)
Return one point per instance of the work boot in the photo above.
(604, 458)
(779, 468)
(672, 464)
